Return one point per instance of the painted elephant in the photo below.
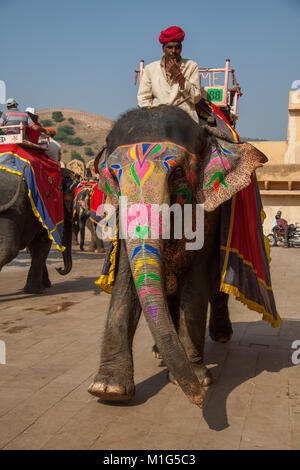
(81, 220)
(20, 228)
(160, 157)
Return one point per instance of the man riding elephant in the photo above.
(171, 80)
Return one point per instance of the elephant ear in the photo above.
(227, 169)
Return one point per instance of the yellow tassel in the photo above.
(106, 281)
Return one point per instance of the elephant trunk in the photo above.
(146, 265)
(67, 242)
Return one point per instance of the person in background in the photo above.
(54, 151)
(14, 117)
(34, 132)
(282, 223)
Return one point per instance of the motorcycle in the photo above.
(276, 238)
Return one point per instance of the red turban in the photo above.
(174, 33)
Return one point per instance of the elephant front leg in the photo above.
(75, 230)
(96, 242)
(82, 223)
(220, 327)
(46, 280)
(37, 279)
(194, 294)
(114, 380)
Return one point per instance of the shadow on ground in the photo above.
(23, 259)
(143, 391)
(228, 374)
(79, 284)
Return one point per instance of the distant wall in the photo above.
(274, 150)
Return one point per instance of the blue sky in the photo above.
(82, 53)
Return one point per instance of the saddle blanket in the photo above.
(44, 182)
(97, 200)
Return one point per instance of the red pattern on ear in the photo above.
(217, 185)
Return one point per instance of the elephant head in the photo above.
(157, 157)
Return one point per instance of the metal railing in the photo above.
(16, 135)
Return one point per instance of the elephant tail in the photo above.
(9, 204)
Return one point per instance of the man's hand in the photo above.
(173, 68)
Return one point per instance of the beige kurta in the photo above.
(155, 89)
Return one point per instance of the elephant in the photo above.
(160, 156)
(81, 219)
(20, 228)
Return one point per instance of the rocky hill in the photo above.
(79, 131)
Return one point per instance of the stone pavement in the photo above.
(52, 353)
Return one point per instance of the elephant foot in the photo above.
(203, 373)
(46, 282)
(221, 332)
(111, 388)
(155, 352)
(28, 289)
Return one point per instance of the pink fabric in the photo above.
(33, 135)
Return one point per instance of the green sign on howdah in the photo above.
(214, 94)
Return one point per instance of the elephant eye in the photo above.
(178, 172)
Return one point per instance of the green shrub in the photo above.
(57, 116)
(68, 130)
(71, 120)
(88, 151)
(76, 156)
(61, 135)
(74, 141)
(46, 122)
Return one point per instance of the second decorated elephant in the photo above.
(81, 220)
(162, 157)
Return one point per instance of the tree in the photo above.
(76, 156)
(46, 122)
(57, 116)
(64, 132)
(61, 135)
(74, 141)
(68, 130)
(71, 120)
(88, 151)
